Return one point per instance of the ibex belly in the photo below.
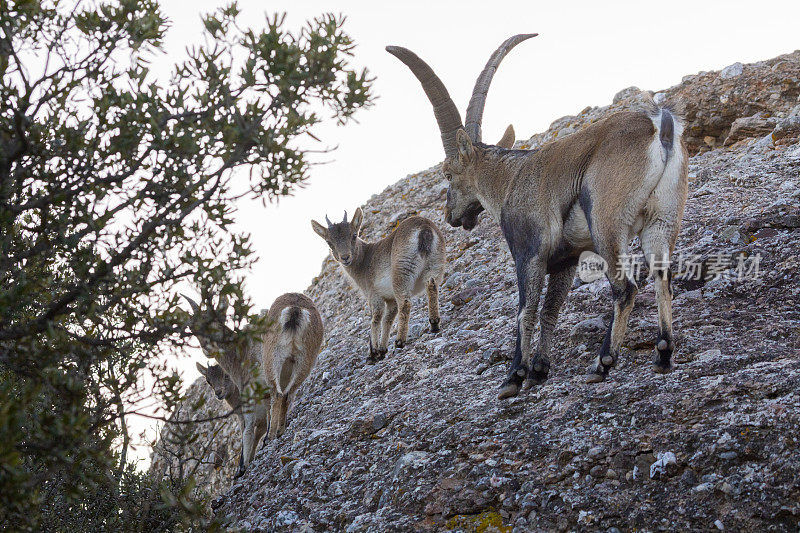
(576, 230)
(383, 284)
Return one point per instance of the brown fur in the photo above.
(390, 271)
(289, 354)
(593, 190)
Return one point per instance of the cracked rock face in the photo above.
(420, 442)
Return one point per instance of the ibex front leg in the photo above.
(248, 442)
(558, 286)
(530, 278)
(376, 313)
(623, 291)
(389, 314)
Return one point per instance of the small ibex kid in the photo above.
(389, 272)
(291, 346)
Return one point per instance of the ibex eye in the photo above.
(448, 176)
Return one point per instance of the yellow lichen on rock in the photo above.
(485, 522)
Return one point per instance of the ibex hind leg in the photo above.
(276, 408)
(657, 250)
(623, 292)
(433, 305)
(404, 303)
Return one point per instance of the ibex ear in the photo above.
(508, 138)
(202, 369)
(464, 143)
(319, 229)
(358, 218)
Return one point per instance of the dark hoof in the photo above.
(537, 376)
(509, 390)
(399, 344)
(435, 326)
(598, 373)
(513, 384)
(661, 368)
(372, 358)
(239, 471)
(217, 502)
(594, 377)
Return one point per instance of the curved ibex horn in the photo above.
(478, 100)
(446, 112)
(192, 303)
(328, 221)
(345, 216)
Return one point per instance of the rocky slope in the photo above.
(420, 442)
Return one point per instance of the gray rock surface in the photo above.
(420, 442)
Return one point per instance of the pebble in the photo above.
(732, 71)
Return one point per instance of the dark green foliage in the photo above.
(116, 190)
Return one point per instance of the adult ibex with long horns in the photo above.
(594, 190)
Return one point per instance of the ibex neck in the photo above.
(496, 172)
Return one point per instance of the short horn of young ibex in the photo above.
(389, 272)
(625, 175)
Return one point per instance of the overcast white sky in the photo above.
(586, 51)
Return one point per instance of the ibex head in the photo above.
(462, 143)
(219, 381)
(342, 237)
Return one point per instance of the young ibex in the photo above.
(225, 390)
(291, 346)
(593, 190)
(389, 272)
(278, 360)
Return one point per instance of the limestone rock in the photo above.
(419, 441)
